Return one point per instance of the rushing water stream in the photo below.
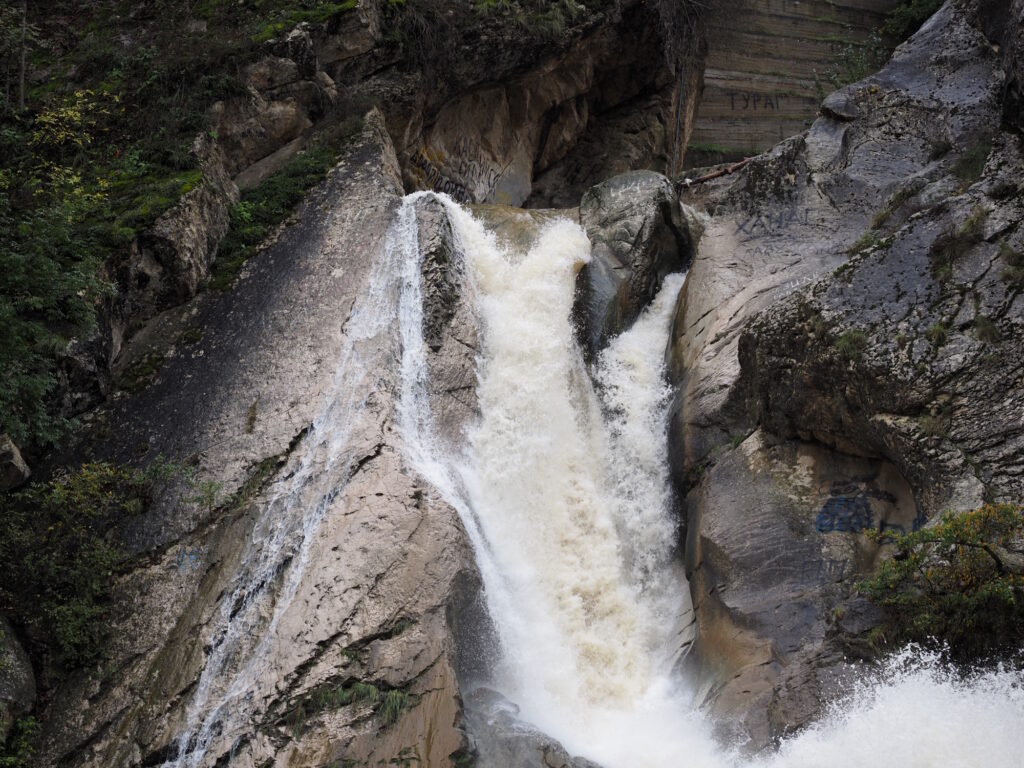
(563, 487)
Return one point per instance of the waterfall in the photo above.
(563, 488)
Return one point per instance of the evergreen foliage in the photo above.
(908, 16)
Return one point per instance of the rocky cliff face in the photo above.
(483, 104)
(847, 360)
(769, 62)
(357, 661)
(846, 353)
(508, 103)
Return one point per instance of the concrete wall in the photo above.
(767, 70)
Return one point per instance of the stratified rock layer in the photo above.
(768, 62)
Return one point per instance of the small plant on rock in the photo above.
(986, 330)
(864, 243)
(1013, 273)
(952, 245)
(851, 344)
(938, 334)
(971, 163)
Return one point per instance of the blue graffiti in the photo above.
(188, 559)
(845, 514)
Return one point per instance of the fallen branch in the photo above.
(718, 174)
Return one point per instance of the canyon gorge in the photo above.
(563, 420)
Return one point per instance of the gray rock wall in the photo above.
(846, 356)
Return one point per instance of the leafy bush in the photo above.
(856, 60)
(958, 582)
(58, 557)
(262, 208)
(49, 272)
(17, 752)
(908, 16)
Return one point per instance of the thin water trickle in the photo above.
(245, 636)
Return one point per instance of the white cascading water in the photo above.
(563, 489)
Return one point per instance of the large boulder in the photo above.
(639, 233)
(17, 680)
(13, 469)
(846, 351)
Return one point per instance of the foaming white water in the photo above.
(917, 713)
(557, 476)
(564, 490)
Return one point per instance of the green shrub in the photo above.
(285, 19)
(897, 199)
(387, 703)
(856, 60)
(1013, 272)
(262, 208)
(20, 746)
(938, 334)
(864, 243)
(907, 17)
(851, 344)
(59, 558)
(969, 166)
(952, 245)
(974, 225)
(986, 330)
(957, 582)
(394, 704)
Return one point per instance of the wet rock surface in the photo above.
(372, 604)
(504, 740)
(639, 233)
(846, 355)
